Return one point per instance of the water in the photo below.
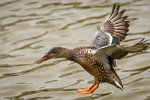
(29, 28)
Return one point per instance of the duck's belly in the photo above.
(98, 71)
(89, 68)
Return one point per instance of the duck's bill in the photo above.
(44, 58)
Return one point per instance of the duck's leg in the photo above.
(80, 90)
(90, 90)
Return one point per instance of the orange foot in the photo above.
(81, 91)
(88, 91)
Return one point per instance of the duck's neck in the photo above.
(65, 53)
(68, 54)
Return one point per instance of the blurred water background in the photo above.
(29, 28)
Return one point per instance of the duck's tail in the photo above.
(138, 47)
(116, 80)
(118, 84)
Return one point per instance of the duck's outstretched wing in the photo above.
(107, 54)
(114, 29)
(116, 24)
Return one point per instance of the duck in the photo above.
(99, 57)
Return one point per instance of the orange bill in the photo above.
(44, 58)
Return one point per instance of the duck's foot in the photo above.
(82, 91)
(88, 91)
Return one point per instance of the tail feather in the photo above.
(118, 85)
(138, 47)
(118, 52)
(116, 80)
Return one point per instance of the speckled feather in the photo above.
(85, 57)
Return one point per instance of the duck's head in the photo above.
(55, 52)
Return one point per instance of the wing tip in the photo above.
(118, 20)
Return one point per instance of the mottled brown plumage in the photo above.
(84, 56)
(97, 61)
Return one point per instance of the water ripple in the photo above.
(136, 80)
(8, 65)
(82, 20)
(27, 93)
(4, 56)
(95, 96)
(70, 73)
(31, 38)
(8, 3)
(3, 27)
(63, 22)
(25, 46)
(136, 71)
(29, 70)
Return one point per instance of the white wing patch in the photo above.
(111, 38)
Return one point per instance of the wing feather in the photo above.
(116, 22)
(115, 27)
(113, 51)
